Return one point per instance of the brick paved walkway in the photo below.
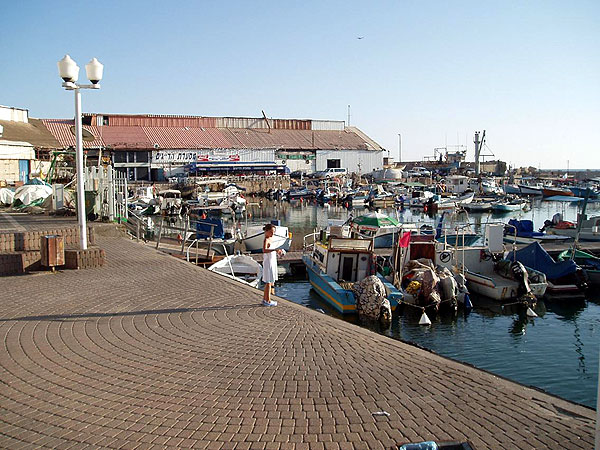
(151, 351)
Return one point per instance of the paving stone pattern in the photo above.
(149, 351)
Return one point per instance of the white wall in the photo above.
(9, 170)
(13, 114)
(363, 161)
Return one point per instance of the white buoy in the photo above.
(531, 312)
(424, 319)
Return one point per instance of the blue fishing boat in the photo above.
(334, 264)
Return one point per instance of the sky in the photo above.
(433, 72)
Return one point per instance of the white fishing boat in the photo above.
(531, 188)
(453, 202)
(254, 236)
(506, 206)
(240, 268)
(487, 277)
(478, 206)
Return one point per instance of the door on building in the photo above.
(334, 163)
(23, 170)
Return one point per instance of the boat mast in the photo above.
(478, 147)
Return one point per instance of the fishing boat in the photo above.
(241, 268)
(420, 197)
(453, 202)
(582, 191)
(511, 189)
(488, 275)
(377, 226)
(521, 232)
(334, 264)
(551, 191)
(478, 206)
(565, 279)
(298, 193)
(589, 263)
(506, 206)
(211, 235)
(531, 188)
(590, 229)
(254, 236)
(170, 202)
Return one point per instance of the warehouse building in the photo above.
(145, 147)
(25, 144)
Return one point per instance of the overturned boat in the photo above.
(241, 268)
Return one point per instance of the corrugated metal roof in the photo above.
(60, 129)
(249, 134)
(176, 137)
(125, 138)
(158, 121)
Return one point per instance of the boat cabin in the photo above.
(345, 259)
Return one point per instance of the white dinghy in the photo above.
(241, 268)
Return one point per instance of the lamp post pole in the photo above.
(80, 181)
(69, 72)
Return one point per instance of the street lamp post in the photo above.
(68, 70)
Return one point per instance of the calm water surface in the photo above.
(557, 352)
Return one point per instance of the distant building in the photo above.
(24, 145)
(146, 146)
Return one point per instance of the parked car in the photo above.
(335, 172)
(419, 172)
(297, 174)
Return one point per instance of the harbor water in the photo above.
(557, 351)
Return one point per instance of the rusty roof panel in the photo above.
(125, 138)
(158, 121)
(290, 124)
(60, 129)
(175, 137)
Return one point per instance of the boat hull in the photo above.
(500, 289)
(504, 207)
(342, 300)
(550, 192)
(528, 190)
(254, 242)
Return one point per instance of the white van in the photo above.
(331, 172)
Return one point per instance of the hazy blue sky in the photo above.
(528, 72)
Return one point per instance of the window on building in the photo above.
(131, 157)
(334, 163)
(141, 173)
(104, 120)
(120, 157)
(141, 156)
(131, 174)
